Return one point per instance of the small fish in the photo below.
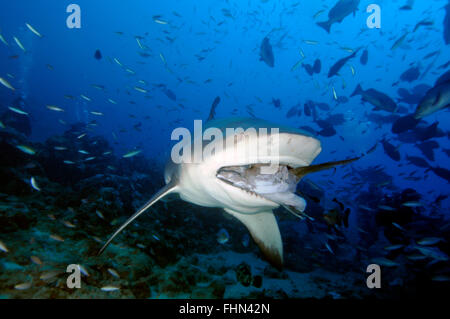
(57, 238)
(385, 207)
(139, 43)
(36, 260)
(109, 288)
(19, 44)
(23, 286)
(33, 30)
(398, 226)
(163, 58)
(90, 158)
(155, 237)
(311, 42)
(113, 273)
(329, 248)
(3, 247)
(139, 89)
(49, 274)
(85, 97)
(3, 40)
(60, 148)
(334, 94)
(399, 42)
(34, 184)
(353, 70)
(223, 236)
(68, 224)
(81, 136)
(26, 149)
(18, 111)
(441, 278)
(412, 204)
(68, 162)
(6, 84)
(98, 240)
(131, 153)
(159, 21)
(83, 270)
(55, 108)
(2, 125)
(112, 101)
(83, 152)
(296, 65)
(99, 214)
(393, 247)
(118, 62)
(96, 113)
(384, 262)
(429, 241)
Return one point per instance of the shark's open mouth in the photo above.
(278, 187)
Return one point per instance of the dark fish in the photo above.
(339, 64)
(309, 69)
(98, 55)
(417, 161)
(266, 53)
(422, 23)
(404, 123)
(447, 24)
(294, 111)
(391, 150)
(378, 99)
(327, 129)
(342, 99)
(442, 172)
(212, 111)
(323, 106)
(170, 94)
(307, 109)
(427, 148)
(415, 96)
(437, 98)
(317, 66)
(411, 74)
(408, 5)
(276, 103)
(337, 14)
(364, 57)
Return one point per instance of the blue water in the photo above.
(62, 63)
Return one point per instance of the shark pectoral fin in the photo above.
(169, 188)
(264, 230)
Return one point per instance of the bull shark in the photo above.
(232, 179)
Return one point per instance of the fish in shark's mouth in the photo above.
(278, 187)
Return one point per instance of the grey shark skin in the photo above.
(198, 183)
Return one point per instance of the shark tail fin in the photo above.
(300, 172)
(357, 91)
(169, 188)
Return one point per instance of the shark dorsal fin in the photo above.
(169, 188)
(264, 230)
